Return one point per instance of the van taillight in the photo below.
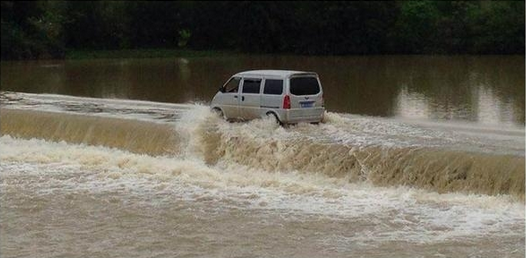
(286, 102)
(322, 101)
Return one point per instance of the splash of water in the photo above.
(357, 149)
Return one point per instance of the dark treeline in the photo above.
(46, 29)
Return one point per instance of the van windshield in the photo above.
(231, 86)
(304, 86)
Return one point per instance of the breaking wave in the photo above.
(343, 149)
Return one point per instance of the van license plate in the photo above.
(307, 104)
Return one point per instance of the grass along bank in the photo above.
(143, 53)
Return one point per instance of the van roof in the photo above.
(274, 73)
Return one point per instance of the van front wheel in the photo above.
(218, 112)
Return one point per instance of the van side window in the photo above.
(232, 86)
(273, 87)
(251, 85)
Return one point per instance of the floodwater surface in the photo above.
(481, 89)
(416, 157)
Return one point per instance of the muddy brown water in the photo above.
(481, 89)
(418, 157)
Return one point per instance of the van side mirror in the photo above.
(222, 89)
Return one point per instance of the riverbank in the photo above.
(143, 53)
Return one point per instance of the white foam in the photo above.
(156, 112)
(405, 213)
(397, 213)
(340, 128)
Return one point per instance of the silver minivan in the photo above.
(288, 96)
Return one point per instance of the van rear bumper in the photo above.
(298, 115)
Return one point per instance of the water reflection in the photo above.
(412, 105)
(484, 89)
(469, 89)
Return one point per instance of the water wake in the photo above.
(204, 178)
(42, 167)
(133, 135)
(347, 149)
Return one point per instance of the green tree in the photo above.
(416, 26)
(497, 27)
(44, 29)
(32, 30)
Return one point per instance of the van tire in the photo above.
(274, 117)
(219, 113)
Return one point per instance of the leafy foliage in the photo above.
(45, 29)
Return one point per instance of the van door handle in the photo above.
(242, 98)
(235, 97)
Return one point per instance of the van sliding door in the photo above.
(250, 98)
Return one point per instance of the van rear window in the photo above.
(273, 87)
(304, 86)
